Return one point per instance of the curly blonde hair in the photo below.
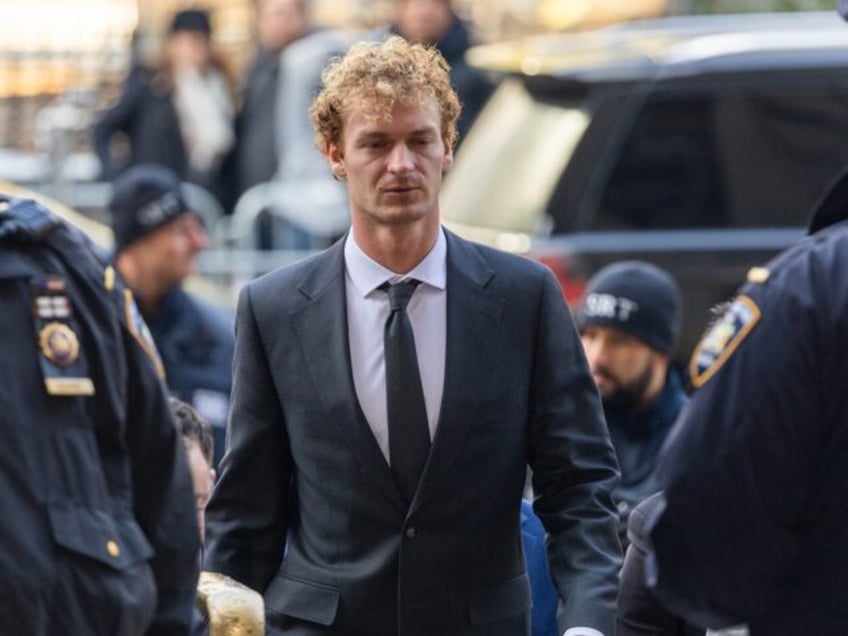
(381, 74)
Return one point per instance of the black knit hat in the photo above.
(638, 298)
(191, 20)
(144, 198)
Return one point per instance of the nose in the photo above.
(198, 235)
(400, 159)
(596, 351)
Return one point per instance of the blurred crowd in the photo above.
(227, 133)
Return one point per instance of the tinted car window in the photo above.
(739, 158)
(515, 162)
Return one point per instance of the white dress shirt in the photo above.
(367, 312)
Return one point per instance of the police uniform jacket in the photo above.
(98, 534)
(754, 528)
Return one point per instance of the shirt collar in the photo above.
(367, 274)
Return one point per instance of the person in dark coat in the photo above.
(157, 239)
(98, 533)
(753, 526)
(176, 112)
(629, 321)
(278, 23)
(435, 23)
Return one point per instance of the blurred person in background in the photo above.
(275, 147)
(435, 23)
(177, 113)
(157, 239)
(629, 320)
(98, 534)
(279, 23)
(199, 442)
(223, 606)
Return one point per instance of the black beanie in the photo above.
(638, 298)
(191, 20)
(144, 198)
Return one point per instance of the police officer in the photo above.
(157, 239)
(629, 321)
(98, 534)
(754, 523)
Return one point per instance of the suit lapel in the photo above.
(321, 324)
(474, 311)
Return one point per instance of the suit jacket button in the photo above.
(410, 532)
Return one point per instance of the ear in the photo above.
(447, 162)
(336, 160)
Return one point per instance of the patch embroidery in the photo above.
(62, 359)
(722, 339)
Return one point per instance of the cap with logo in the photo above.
(144, 198)
(636, 297)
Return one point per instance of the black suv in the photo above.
(697, 143)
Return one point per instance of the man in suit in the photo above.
(358, 506)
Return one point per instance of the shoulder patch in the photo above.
(722, 339)
(62, 361)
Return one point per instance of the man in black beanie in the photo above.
(157, 239)
(629, 321)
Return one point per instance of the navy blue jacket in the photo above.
(98, 534)
(196, 343)
(145, 112)
(640, 613)
(755, 523)
(637, 437)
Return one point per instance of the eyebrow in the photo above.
(378, 134)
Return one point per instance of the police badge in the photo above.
(59, 344)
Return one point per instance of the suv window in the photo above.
(738, 158)
(505, 186)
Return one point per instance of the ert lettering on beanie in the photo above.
(637, 298)
(144, 198)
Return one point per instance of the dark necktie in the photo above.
(409, 433)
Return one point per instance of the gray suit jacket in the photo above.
(307, 511)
